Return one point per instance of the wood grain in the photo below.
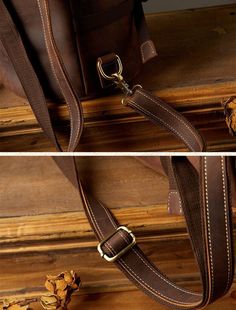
(173, 256)
(134, 300)
(131, 299)
(113, 138)
(34, 185)
(195, 72)
(57, 236)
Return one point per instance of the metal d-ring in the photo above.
(110, 77)
(118, 79)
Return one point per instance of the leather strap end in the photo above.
(148, 51)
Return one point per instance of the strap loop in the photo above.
(121, 252)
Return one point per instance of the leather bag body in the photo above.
(67, 51)
(83, 31)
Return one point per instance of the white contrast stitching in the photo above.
(152, 269)
(151, 45)
(140, 281)
(53, 68)
(177, 117)
(208, 225)
(226, 225)
(180, 202)
(170, 112)
(148, 287)
(109, 216)
(114, 225)
(162, 121)
(93, 216)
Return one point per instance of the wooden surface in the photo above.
(134, 300)
(49, 233)
(195, 72)
(116, 181)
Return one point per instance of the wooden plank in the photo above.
(135, 300)
(143, 137)
(116, 181)
(201, 50)
(108, 110)
(74, 231)
(97, 275)
(173, 256)
(132, 299)
(34, 245)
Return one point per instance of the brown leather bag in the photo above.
(77, 49)
(204, 188)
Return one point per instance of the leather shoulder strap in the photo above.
(206, 205)
(62, 78)
(161, 113)
(14, 47)
(152, 107)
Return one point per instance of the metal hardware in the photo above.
(122, 84)
(118, 79)
(123, 101)
(110, 77)
(122, 252)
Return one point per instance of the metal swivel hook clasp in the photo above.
(117, 78)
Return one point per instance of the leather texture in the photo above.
(37, 59)
(159, 112)
(30, 27)
(162, 167)
(78, 44)
(33, 41)
(205, 190)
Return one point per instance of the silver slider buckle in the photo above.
(122, 252)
